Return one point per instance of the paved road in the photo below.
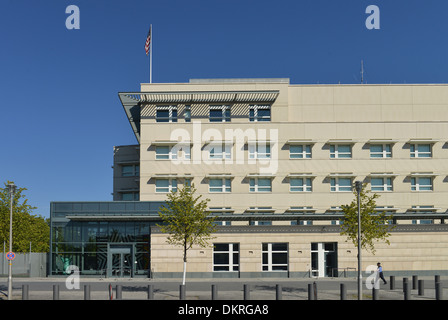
(200, 289)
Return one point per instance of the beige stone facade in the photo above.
(291, 153)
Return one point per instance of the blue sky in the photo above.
(60, 113)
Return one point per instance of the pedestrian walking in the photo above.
(380, 272)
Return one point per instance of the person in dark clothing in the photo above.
(380, 272)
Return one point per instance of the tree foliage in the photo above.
(374, 225)
(26, 227)
(185, 218)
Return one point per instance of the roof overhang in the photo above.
(132, 101)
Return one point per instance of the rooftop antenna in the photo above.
(362, 71)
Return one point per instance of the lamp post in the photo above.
(358, 187)
(12, 190)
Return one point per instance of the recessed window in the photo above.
(219, 151)
(421, 183)
(341, 184)
(130, 196)
(300, 151)
(259, 151)
(166, 185)
(226, 256)
(219, 185)
(300, 184)
(130, 170)
(421, 151)
(340, 151)
(380, 151)
(173, 153)
(260, 185)
(381, 184)
(166, 114)
(219, 114)
(260, 113)
(187, 114)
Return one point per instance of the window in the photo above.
(130, 170)
(166, 114)
(166, 185)
(219, 114)
(381, 184)
(300, 151)
(260, 223)
(380, 151)
(260, 185)
(259, 151)
(130, 196)
(421, 183)
(340, 151)
(274, 257)
(187, 114)
(172, 153)
(421, 151)
(219, 185)
(226, 256)
(220, 152)
(341, 184)
(260, 113)
(300, 184)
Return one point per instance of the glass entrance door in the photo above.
(119, 261)
(324, 259)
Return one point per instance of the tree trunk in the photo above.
(185, 265)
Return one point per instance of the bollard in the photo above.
(343, 291)
(310, 292)
(278, 292)
(315, 290)
(150, 292)
(406, 290)
(214, 292)
(375, 293)
(439, 292)
(436, 279)
(86, 292)
(119, 292)
(421, 287)
(414, 282)
(246, 292)
(392, 282)
(25, 292)
(405, 282)
(182, 292)
(56, 292)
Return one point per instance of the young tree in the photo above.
(374, 225)
(185, 218)
(26, 226)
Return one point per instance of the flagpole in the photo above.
(150, 54)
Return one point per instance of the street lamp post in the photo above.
(12, 190)
(358, 187)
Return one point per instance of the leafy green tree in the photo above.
(26, 227)
(185, 218)
(374, 225)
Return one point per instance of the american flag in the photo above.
(148, 41)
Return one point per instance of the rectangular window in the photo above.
(381, 184)
(259, 151)
(260, 185)
(219, 114)
(226, 256)
(421, 184)
(260, 113)
(380, 151)
(300, 184)
(340, 151)
(300, 151)
(187, 114)
(341, 184)
(166, 114)
(163, 152)
(274, 257)
(173, 153)
(219, 185)
(421, 151)
(166, 185)
(130, 170)
(220, 152)
(130, 196)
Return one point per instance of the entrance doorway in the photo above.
(120, 259)
(324, 259)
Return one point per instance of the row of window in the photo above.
(337, 184)
(274, 257)
(263, 151)
(217, 113)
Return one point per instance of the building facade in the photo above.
(278, 160)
